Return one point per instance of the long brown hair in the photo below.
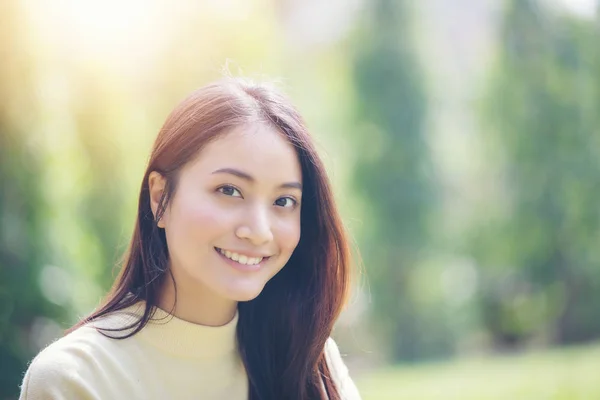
(281, 334)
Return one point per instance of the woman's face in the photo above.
(234, 219)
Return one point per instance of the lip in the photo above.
(242, 267)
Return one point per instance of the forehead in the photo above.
(259, 150)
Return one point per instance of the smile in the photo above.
(241, 258)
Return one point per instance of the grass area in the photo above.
(563, 374)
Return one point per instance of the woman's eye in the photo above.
(228, 190)
(285, 202)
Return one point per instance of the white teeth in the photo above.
(242, 259)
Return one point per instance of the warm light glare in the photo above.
(109, 27)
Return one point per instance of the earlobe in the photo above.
(156, 187)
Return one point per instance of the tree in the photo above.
(541, 258)
(392, 172)
(23, 246)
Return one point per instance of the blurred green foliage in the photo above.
(393, 174)
(539, 254)
(22, 234)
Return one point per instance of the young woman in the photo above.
(236, 272)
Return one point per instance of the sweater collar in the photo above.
(180, 338)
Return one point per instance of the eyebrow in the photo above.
(249, 178)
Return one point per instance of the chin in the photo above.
(242, 297)
(245, 294)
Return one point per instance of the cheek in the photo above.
(288, 235)
(195, 218)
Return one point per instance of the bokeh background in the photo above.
(463, 139)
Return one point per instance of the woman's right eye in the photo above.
(229, 190)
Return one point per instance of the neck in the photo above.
(195, 303)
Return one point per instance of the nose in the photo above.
(256, 227)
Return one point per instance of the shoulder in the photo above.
(62, 370)
(339, 371)
(72, 366)
(333, 356)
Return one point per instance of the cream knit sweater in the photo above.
(168, 359)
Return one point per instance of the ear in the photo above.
(156, 187)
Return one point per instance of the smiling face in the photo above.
(234, 219)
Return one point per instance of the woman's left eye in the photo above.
(286, 202)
